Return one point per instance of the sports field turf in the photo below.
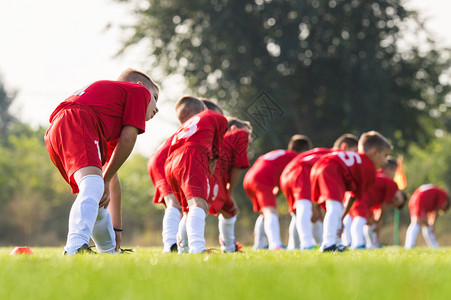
(389, 273)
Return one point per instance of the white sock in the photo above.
(429, 236)
(411, 235)
(346, 236)
(332, 222)
(272, 229)
(318, 231)
(103, 233)
(260, 241)
(227, 233)
(83, 213)
(368, 233)
(182, 236)
(195, 228)
(357, 236)
(171, 222)
(304, 223)
(293, 235)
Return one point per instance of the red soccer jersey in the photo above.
(85, 128)
(341, 171)
(267, 168)
(194, 144)
(155, 168)
(115, 104)
(383, 190)
(204, 131)
(427, 198)
(295, 177)
(233, 155)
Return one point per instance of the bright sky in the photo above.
(50, 48)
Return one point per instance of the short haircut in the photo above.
(373, 139)
(351, 140)
(188, 106)
(299, 143)
(238, 123)
(391, 164)
(132, 75)
(211, 105)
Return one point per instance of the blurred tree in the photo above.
(6, 119)
(326, 66)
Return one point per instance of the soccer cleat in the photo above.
(360, 247)
(211, 251)
(125, 251)
(174, 248)
(238, 247)
(332, 248)
(85, 249)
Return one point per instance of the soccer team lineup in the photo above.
(337, 197)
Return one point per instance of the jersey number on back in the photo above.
(350, 158)
(188, 129)
(274, 154)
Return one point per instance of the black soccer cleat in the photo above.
(85, 249)
(174, 248)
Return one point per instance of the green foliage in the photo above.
(6, 119)
(390, 273)
(31, 191)
(329, 66)
(141, 219)
(429, 164)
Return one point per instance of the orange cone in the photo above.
(21, 250)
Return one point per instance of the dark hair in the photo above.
(391, 164)
(211, 105)
(351, 140)
(299, 143)
(188, 106)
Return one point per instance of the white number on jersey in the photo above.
(188, 129)
(274, 154)
(350, 158)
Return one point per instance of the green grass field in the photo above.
(389, 273)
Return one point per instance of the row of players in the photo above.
(309, 178)
(94, 131)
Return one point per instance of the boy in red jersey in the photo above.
(232, 161)
(261, 184)
(334, 174)
(93, 130)
(295, 184)
(192, 157)
(164, 195)
(426, 203)
(383, 192)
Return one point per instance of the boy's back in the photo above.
(347, 171)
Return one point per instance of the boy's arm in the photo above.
(349, 204)
(213, 161)
(379, 220)
(234, 176)
(115, 208)
(123, 149)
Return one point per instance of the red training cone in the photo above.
(21, 250)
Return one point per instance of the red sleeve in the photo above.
(135, 108)
(390, 190)
(442, 198)
(221, 129)
(242, 139)
(111, 147)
